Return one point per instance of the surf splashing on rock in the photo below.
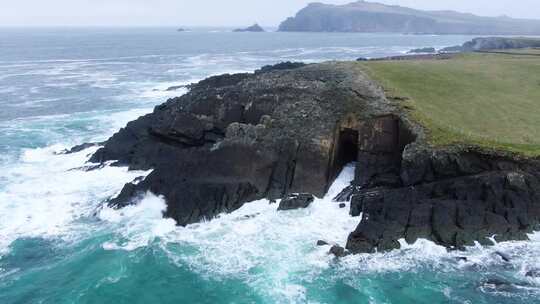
(275, 252)
(48, 194)
(270, 249)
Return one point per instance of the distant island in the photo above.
(254, 28)
(362, 16)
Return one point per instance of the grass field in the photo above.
(488, 100)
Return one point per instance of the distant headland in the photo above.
(362, 16)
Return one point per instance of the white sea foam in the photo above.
(140, 224)
(42, 196)
(275, 252)
(45, 196)
(258, 240)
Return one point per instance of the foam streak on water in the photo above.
(47, 193)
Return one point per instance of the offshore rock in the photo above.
(429, 50)
(296, 201)
(322, 243)
(254, 28)
(338, 251)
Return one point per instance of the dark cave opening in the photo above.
(346, 150)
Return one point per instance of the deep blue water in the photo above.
(60, 87)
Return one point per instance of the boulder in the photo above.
(345, 195)
(296, 201)
(322, 243)
(534, 273)
(338, 251)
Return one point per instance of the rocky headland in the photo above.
(291, 128)
(482, 44)
(366, 17)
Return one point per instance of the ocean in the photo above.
(60, 244)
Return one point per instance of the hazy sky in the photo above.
(214, 12)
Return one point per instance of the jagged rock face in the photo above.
(291, 129)
(238, 138)
(453, 199)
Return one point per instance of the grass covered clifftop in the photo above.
(487, 100)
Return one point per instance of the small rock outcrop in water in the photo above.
(80, 148)
(427, 50)
(254, 28)
(535, 273)
(338, 251)
(296, 201)
(494, 43)
(238, 138)
(175, 88)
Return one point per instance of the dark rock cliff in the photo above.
(451, 197)
(237, 138)
(291, 128)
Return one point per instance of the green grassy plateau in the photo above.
(480, 99)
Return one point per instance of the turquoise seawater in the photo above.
(59, 244)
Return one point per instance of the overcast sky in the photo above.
(214, 12)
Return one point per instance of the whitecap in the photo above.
(138, 225)
(45, 197)
(257, 241)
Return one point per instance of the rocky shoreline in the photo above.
(291, 128)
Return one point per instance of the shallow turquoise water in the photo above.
(59, 244)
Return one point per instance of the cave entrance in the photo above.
(346, 150)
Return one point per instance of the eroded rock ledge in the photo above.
(291, 128)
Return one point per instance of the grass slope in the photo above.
(487, 100)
